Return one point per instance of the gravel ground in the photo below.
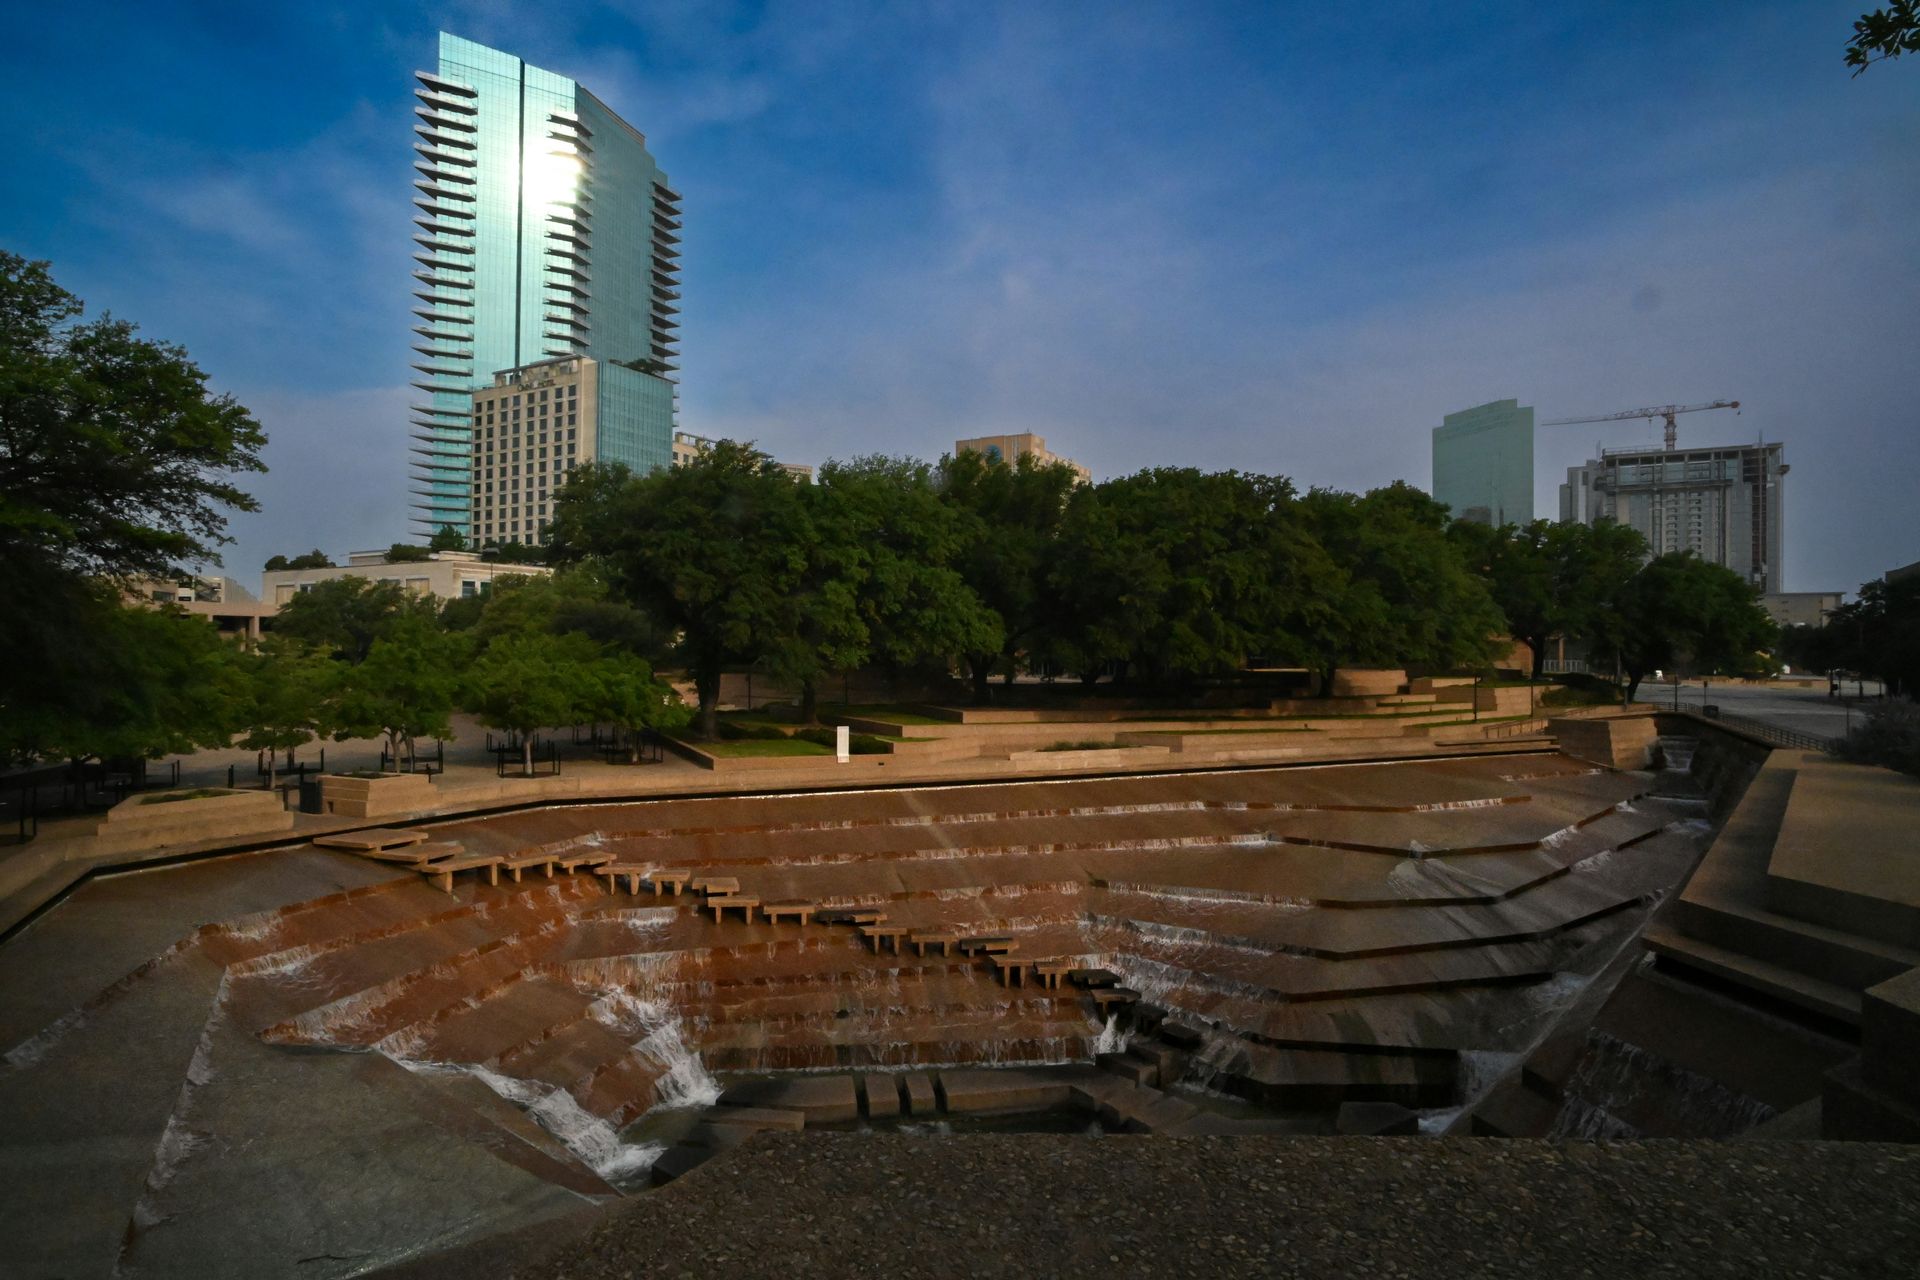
(872, 1205)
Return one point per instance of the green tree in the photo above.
(1883, 34)
(1007, 529)
(713, 550)
(406, 687)
(407, 553)
(315, 559)
(524, 683)
(347, 616)
(289, 690)
(1878, 634)
(116, 461)
(1680, 610)
(1175, 573)
(447, 538)
(629, 697)
(1408, 597)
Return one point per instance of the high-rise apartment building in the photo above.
(1723, 503)
(1483, 463)
(1023, 444)
(545, 232)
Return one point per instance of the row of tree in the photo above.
(359, 659)
(1158, 579)
(1876, 635)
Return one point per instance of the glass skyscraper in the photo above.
(545, 231)
(1483, 463)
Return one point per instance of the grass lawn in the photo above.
(891, 714)
(761, 747)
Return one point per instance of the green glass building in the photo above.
(1483, 463)
(544, 229)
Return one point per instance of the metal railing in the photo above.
(1770, 733)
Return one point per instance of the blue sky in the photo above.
(1278, 237)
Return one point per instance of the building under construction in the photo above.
(1722, 502)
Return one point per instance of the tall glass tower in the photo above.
(545, 230)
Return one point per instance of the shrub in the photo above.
(736, 731)
(861, 744)
(1890, 737)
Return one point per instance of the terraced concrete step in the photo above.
(1777, 981)
(1512, 1110)
(1819, 951)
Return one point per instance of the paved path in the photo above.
(873, 1205)
(1801, 710)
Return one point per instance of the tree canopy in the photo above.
(1884, 34)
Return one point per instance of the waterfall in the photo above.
(684, 1080)
(586, 1135)
(1111, 1038)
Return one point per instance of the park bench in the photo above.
(441, 872)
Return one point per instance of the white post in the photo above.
(843, 743)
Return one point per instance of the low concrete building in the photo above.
(1011, 448)
(445, 575)
(1800, 608)
(233, 610)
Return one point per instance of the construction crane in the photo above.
(1666, 411)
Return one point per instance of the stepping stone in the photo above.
(1127, 1067)
(575, 861)
(523, 861)
(370, 838)
(879, 933)
(791, 908)
(714, 884)
(922, 1098)
(721, 905)
(1011, 971)
(882, 1094)
(1180, 1035)
(851, 915)
(441, 873)
(1050, 972)
(994, 945)
(821, 1099)
(1093, 977)
(1003, 1091)
(922, 940)
(414, 855)
(671, 879)
(1104, 996)
(616, 871)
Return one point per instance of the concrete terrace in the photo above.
(1325, 935)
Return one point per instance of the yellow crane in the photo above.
(1666, 411)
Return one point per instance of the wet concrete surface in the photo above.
(378, 1067)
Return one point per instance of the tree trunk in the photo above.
(809, 703)
(526, 753)
(707, 684)
(1539, 646)
(982, 667)
(1326, 682)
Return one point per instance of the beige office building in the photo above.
(445, 575)
(1800, 608)
(688, 446)
(531, 428)
(1011, 448)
